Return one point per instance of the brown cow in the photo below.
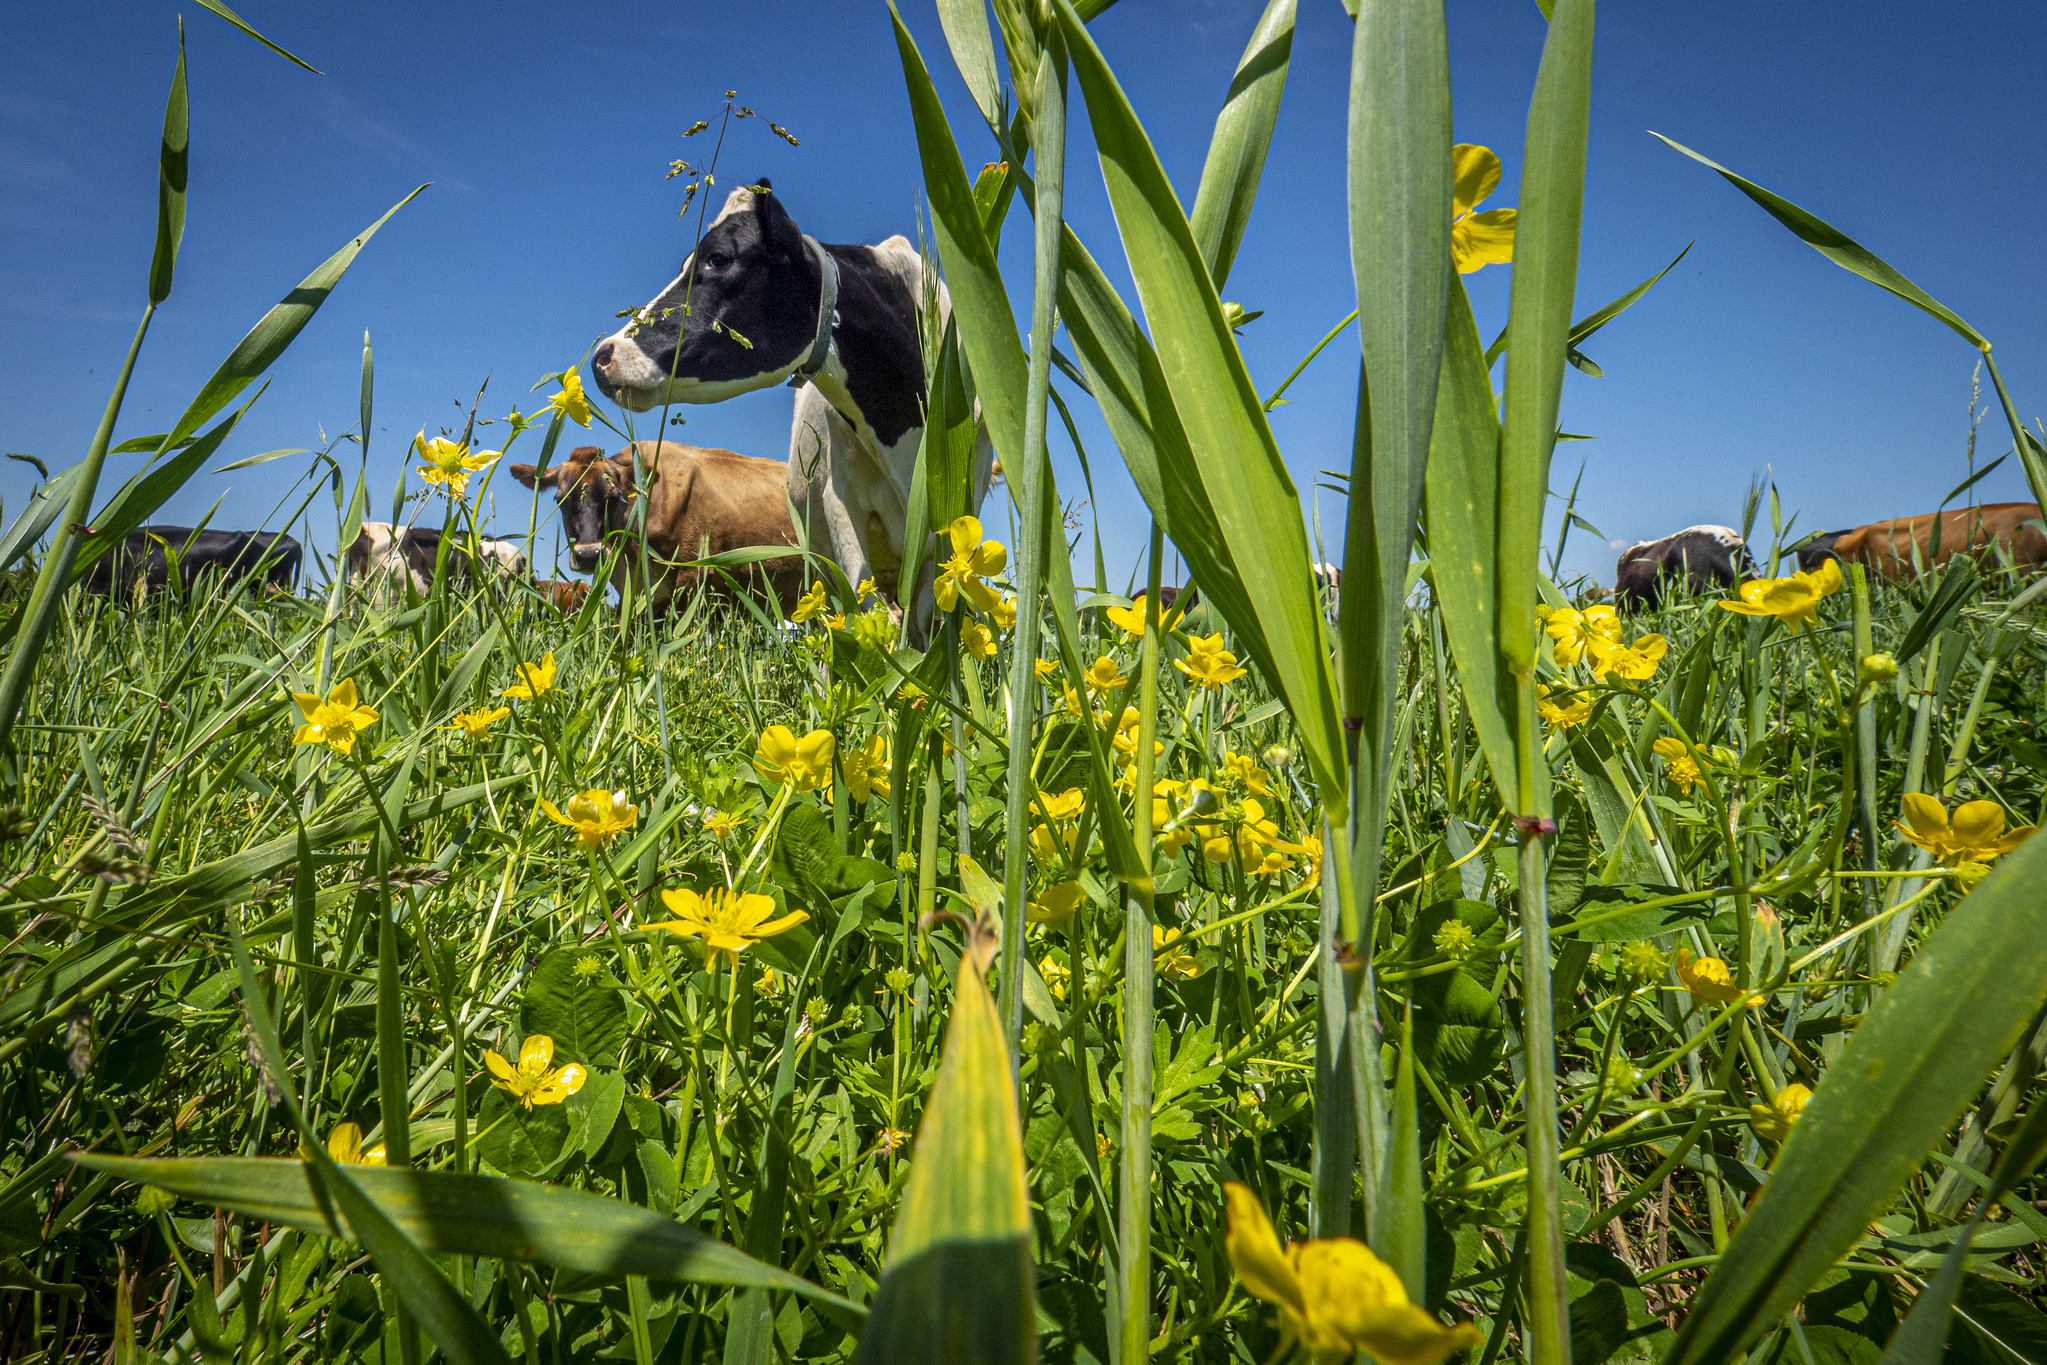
(705, 501)
(1898, 548)
(566, 598)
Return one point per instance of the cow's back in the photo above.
(1898, 547)
(707, 500)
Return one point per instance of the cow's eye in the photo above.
(717, 260)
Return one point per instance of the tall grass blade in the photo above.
(1400, 189)
(1242, 137)
(224, 12)
(973, 51)
(1909, 1069)
(1254, 498)
(1545, 282)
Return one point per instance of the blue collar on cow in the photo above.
(827, 314)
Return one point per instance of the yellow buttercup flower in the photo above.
(977, 640)
(344, 1144)
(334, 722)
(728, 922)
(1055, 905)
(535, 680)
(1130, 619)
(1976, 835)
(1635, 662)
(1708, 979)
(1067, 805)
(1335, 1297)
(1478, 239)
(1773, 1122)
(1056, 976)
(808, 605)
(1311, 859)
(571, 403)
(1794, 600)
(1574, 631)
(531, 1082)
(1003, 613)
(1046, 669)
(973, 561)
(1208, 663)
(1562, 715)
(1678, 764)
(721, 825)
(475, 724)
(805, 764)
(1103, 676)
(1245, 772)
(597, 816)
(449, 463)
(1169, 955)
(1166, 796)
(867, 768)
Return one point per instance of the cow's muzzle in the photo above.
(584, 557)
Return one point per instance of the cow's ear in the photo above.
(777, 229)
(524, 474)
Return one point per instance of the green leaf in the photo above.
(1463, 517)
(1243, 135)
(573, 1000)
(959, 1284)
(1836, 245)
(966, 32)
(1256, 504)
(1598, 317)
(517, 1140)
(138, 499)
(1918, 1057)
(1459, 1033)
(276, 330)
(475, 1215)
(224, 12)
(170, 180)
(1599, 1323)
(1545, 282)
(44, 507)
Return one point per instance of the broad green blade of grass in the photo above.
(1600, 316)
(1243, 135)
(1398, 143)
(138, 499)
(50, 498)
(1844, 251)
(172, 166)
(973, 51)
(1256, 504)
(1923, 1051)
(959, 1284)
(1545, 282)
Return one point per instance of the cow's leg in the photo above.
(822, 450)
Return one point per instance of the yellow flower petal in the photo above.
(1477, 171)
(1255, 1253)
(1482, 239)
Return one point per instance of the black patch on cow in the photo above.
(233, 555)
(752, 276)
(1699, 557)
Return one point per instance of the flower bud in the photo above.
(1643, 961)
(1876, 668)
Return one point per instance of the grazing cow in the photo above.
(1818, 550)
(1901, 547)
(704, 502)
(260, 557)
(382, 550)
(1704, 556)
(760, 302)
(565, 597)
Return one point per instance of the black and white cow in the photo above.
(759, 303)
(1704, 556)
(382, 550)
(261, 557)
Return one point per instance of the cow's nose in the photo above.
(603, 360)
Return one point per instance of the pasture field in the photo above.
(1450, 966)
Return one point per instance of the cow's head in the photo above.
(740, 315)
(595, 496)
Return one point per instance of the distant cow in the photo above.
(1900, 547)
(1704, 556)
(565, 597)
(260, 557)
(382, 549)
(704, 501)
(1818, 550)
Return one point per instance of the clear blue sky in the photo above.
(547, 130)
